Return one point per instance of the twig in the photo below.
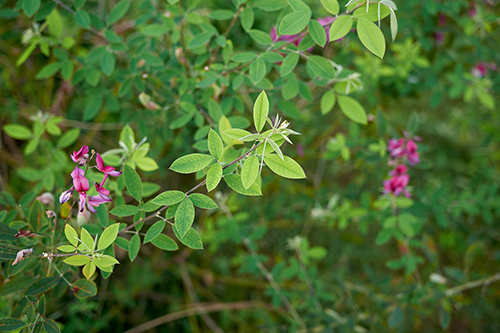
(233, 21)
(199, 308)
(473, 284)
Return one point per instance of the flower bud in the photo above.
(66, 195)
(50, 213)
(46, 198)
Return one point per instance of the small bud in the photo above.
(206, 68)
(50, 213)
(46, 198)
(144, 76)
(167, 14)
(437, 278)
(152, 106)
(141, 63)
(21, 255)
(179, 54)
(66, 195)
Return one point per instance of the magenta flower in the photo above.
(411, 152)
(83, 197)
(400, 170)
(66, 195)
(80, 183)
(100, 187)
(397, 185)
(108, 170)
(95, 201)
(80, 156)
(472, 9)
(396, 147)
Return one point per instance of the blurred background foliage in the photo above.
(328, 241)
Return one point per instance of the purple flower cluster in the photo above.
(81, 183)
(401, 150)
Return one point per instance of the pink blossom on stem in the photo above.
(109, 170)
(100, 187)
(411, 152)
(397, 185)
(401, 169)
(66, 195)
(80, 156)
(83, 197)
(95, 201)
(396, 147)
(80, 183)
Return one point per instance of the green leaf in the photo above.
(227, 52)
(30, 7)
(154, 231)
(214, 176)
(294, 23)
(289, 63)
(36, 215)
(486, 99)
(184, 217)
(234, 182)
(134, 247)
(236, 133)
(352, 109)
(87, 240)
(243, 57)
(51, 326)
(371, 37)
(321, 67)
(215, 145)
(191, 163)
(18, 132)
(24, 56)
(10, 324)
(88, 270)
(271, 57)
(108, 236)
(68, 138)
(165, 243)
(286, 168)
(192, 239)
(257, 71)
(84, 288)
(133, 182)
(317, 32)
(214, 110)
(125, 210)
(250, 171)
(48, 70)
(42, 285)
(102, 215)
(56, 24)
(247, 17)
(71, 235)
(154, 30)
(202, 201)
(200, 40)
(276, 148)
(118, 11)
(108, 63)
(221, 14)
(105, 261)
(92, 108)
(260, 37)
(169, 198)
(83, 19)
(340, 27)
(260, 111)
(394, 25)
(327, 102)
(373, 12)
(331, 6)
(147, 164)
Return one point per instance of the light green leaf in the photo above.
(184, 217)
(317, 32)
(271, 57)
(371, 37)
(78, 260)
(200, 40)
(275, 147)
(133, 182)
(125, 210)
(214, 110)
(169, 198)
(236, 133)
(243, 57)
(87, 239)
(340, 27)
(352, 109)
(214, 176)
(68, 138)
(286, 168)
(154, 231)
(294, 23)
(260, 111)
(165, 243)
(250, 171)
(221, 14)
(247, 17)
(331, 6)
(234, 182)
(321, 67)
(134, 246)
(18, 132)
(66, 248)
(224, 125)
(394, 25)
(118, 11)
(327, 102)
(257, 71)
(48, 70)
(203, 201)
(191, 163)
(71, 235)
(192, 239)
(215, 145)
(105, 261)
(108, 236)
(260, 37)
(146, 164)
(56, 24)
(88, 270)
(154, 30)
(373, 12)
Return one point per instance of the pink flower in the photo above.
(481, 69)
(396, 147)
(442, 20)
(100, 187)
(83, 197)
(400, 170)
(66, 195)
(80, 156)
(397, 185)
(80, 183)
(411, 152)
(108, 170)
(472, 9)
(95, 201)
(439, 37)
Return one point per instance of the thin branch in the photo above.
(473, 284)
(199, 308)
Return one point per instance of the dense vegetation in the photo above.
(170, 129)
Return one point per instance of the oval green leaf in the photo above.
(214, 176)
(250, 171)
(154, 231)
(191, 163)
(108, 236)
(371, 37)
(203, 201)
(125, 210)
(184, 217)
(133, 182)
(169, 198)
(286, 168)
(294, 23)
(215, 145)
(352, 109)
(165, 243)
(340, 27)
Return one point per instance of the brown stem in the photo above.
(233, 21)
